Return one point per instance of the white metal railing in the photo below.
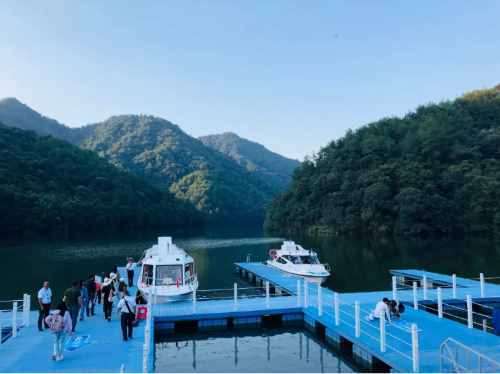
(459, 358)
(14, 314)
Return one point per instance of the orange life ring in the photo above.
(272, 253)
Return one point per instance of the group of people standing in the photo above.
(79, 301)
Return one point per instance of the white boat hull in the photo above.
(313, 278)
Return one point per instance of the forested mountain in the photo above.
(434, 172)
(163, 154)
(270, 167)
(16, 114)
(50, 186)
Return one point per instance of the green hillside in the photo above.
(434, 172)
(163, 154)
(50, 186)
(272, 168)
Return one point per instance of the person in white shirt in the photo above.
(130, 271)
(381, 310)
(44, 301)
(126, 307)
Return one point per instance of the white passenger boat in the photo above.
(294, 259)
(167, 272)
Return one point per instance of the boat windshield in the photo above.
(309, 260)
(167, 275)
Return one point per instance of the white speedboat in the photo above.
(294, 259)
(167, 272)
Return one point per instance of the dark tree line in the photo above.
(434, 172)
(48, 186)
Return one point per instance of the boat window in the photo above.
(309, 260)
(295, 260)
(167, 275)
(147, 274)
(281, 260)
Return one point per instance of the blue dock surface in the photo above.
(30, 351)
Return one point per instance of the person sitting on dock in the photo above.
(44, 300)
(396, 308)
(381, 310)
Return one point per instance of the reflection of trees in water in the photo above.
(362, 264)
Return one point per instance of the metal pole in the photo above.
(14, 319)
(306, 296)
(415, 348)
(481, 280)
(194, 301)
(25, 310)
(424, 285)
(235, 296)
(470, 322)
(299, 296)
(394, 288)
(415, 298)
(29, 309)
(320, 301)
(268, 301)
(1, 327)
(440, 302)
(336, 308)
(485, 325)
(454, 285)
(382, 332)
(357, 319)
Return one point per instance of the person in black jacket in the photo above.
(91, 289)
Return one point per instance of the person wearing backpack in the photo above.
(60, 324)
(126, 307)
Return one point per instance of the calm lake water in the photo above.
(357, 264)
(275, 350)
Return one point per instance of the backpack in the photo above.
(55, 322)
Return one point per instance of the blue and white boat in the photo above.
(294, 259)
(167, 272)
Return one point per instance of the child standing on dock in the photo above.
(60, 324)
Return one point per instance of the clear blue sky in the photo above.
(291, 75)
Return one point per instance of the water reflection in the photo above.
(273, 350)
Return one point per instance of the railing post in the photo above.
(424, 285)
(485, 325)
(28, 299)
(1, 327)
(382, 333)
(394, 288)
(454, 285)
(194, 301)
(470, 322)
(14, 319)
(440, 302)
(299, 296)
(357, 320)
(415, 348)
(147, 332)
(267, 295)
(235, 296)
(481, 283)
(306, 294)
(25, 310)
(415, 298)
(320, 300)
(336, 308)
(248, 257)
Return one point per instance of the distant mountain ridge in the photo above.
(231, 183)
(270, 167)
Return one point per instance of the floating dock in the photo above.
(425, 339)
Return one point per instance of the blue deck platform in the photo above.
(30, 351)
